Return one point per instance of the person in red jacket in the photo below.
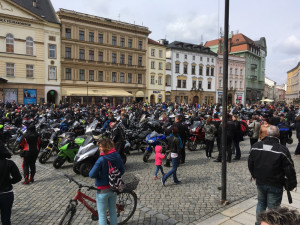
(30, 150)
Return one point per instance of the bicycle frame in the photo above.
(81, 197)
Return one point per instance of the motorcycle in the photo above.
(152, 140)
(197, 136)
(16, 139)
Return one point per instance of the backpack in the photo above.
(244, 128)
(115, 180)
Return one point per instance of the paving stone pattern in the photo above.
(196, 199)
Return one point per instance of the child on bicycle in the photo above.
(158, 161)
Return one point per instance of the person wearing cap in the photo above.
(9, 175)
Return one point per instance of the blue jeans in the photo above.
(237, 149)
(107, 201)
(175, 162)
(267, 196)
(157, 169)
(6, 203)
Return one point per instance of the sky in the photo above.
(197, 21)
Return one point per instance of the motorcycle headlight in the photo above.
(194, 129)
(150, 141)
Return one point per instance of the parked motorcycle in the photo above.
(197, 136)
(154, 139)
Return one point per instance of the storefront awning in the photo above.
(96, 92)
(140, 94)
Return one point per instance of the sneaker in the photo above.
(155, 178)
(216, 160)
(178, 182)
(236, 158)
(163, 183)
(25, 182)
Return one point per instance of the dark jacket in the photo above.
(297, 128)
(183, 130)
(285, 130)
(174, 144)
(100, 169)
(31, 143)
(237, 131)
(10, 174)
(270, 162)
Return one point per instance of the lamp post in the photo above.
(87, 93)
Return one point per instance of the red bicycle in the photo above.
(126, 203)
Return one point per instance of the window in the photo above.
(68, 74)
(177, 55)
(10, 43)
(230, 83)
(29, 71)
(178, 83)
(207, 70)
(241, 84)
(212, 60)
(193, 69)
(220, 83)
(129, 43)
(91, 55)
(235, 84)
(201, 58)
(114, 40)
(184, 84)
(100, 56)
(241, 72)
(68, 32)
(159, 80)
(209, 85)
(122, 77)
(181, 83)
(177, 67)
(160, 66)
(152, 52)
(130, 60)
(52, 72)
(140, 61)
(91, 37)
(68, 52)
(129, 78)
(152, 80)
(230, 70)
(100, 38)
(122, 42)
(194, 57)
(212, 71)
(114, 77)
(29, 46)
(185, 69)
(100, 76)
(114, 58)
(185, 56)
(81, 54)
(81, 35)
(140, 79)
(91, 75)
(81, 75)
(152, 65)
(220, 70)
(200, 84)
(140, 45)
(194, 84)
(160, 53)
(122, 59)
(207, 59)
(201, 70)
(52, 51)
(236, 71)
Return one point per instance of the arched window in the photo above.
(10, 43)
(29, 46)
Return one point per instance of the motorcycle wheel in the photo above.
(58, 162)
(10, 144)
(85, 169)
(45, 156)
(76, 169)
(146, 156)
(192, 145)
(16, 149)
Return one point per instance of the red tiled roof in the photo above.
(150, 41)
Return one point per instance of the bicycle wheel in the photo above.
(126, 206)
(68, 216)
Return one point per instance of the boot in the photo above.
(31, 179)
(26, 181)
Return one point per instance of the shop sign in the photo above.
(220, 92)
(29, 96)
(104, 98)
(3, 20)
(156, 92)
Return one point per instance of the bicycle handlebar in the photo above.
(79, 184)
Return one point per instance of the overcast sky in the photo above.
(195, 20)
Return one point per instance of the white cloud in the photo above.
(190, 29)
(291, 45)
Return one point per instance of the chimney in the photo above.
(163, 42)
(34, 3)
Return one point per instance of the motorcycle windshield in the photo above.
(196, 124)
(88, 148)
(75, 124)
(87, 141)
(92, 126)
(64, 141)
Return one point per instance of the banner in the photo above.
(29, 96)
(11, 95)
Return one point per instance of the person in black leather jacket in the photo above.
(183, 133)
(118, 137)
(297, 128)
(285, 131)
(9, 175)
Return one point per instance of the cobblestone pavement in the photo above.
(194, 200)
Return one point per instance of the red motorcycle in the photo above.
(197, 136)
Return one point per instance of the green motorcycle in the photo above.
(68, 148)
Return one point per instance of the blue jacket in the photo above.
(100, 169)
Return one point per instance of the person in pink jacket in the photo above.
(158, 161)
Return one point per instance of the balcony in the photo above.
(253, 66)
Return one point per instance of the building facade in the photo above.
(236, 79)
(190, 73)
(102, 60)
(29, 52)
(293, 85)
(269, 89)
(255, 53)
(156, 72)
(280, 93)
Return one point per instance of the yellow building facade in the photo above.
(30, 75)
(293, 85)
(156, 72)
(102, 60)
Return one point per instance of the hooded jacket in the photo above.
(158, 156)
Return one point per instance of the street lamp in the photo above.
(87, 93)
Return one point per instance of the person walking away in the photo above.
(263, 132)
(255, 128)
(118, 137)
(173, 145)
(10, 175)
(158, 161)
(285, 131)
(216, 121)
(297, 128)
(105, 197)
(210, 131)
(183, 134)
(237, 137)
(30, 149)
(270, 164)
